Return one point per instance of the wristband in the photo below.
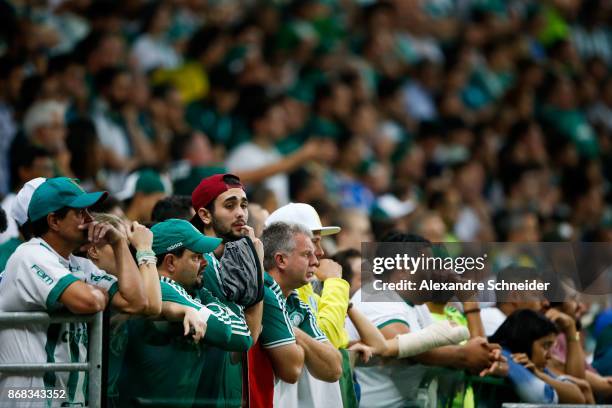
(475, 310)
(145, 257)
(145, 252)
(147, 261)
(575, 337)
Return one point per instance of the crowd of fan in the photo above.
(453, 120)
(212, 307)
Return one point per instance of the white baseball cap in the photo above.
(19, 209)
(301, 213)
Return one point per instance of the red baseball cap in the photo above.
(211, 188)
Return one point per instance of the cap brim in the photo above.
(329, 230)
(88, 199)
(204, 244)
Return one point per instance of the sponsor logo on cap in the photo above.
(174, 246)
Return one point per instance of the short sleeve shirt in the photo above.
(34, 280)
(301, 316)
(308, 392)
(276, 331)
(397, 381)
(276, 326)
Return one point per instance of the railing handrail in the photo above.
(7, 318)
(94, 352)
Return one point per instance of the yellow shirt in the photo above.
(190, 79)
(329, 308)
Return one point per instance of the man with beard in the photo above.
(43, 275)
(164, 361)
(116, 119)
(222, 211)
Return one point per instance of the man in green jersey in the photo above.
(164, 360)
(291, 261)
(221, 211)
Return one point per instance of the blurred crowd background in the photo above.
(461, 119)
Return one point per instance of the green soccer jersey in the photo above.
(276, 326)
(224, 386)
(302, 317)
(163, 365)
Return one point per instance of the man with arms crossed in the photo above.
(161, 362)
(290, 261)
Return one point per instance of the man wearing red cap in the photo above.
(221, 210)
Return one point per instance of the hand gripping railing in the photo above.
(94, 353)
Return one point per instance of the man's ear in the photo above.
(205, 216)
(53, 221)
(280, 260)
(169, 263)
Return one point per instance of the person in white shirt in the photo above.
(43, 275)
(508, 302)
(260, 161)
(152, 50)
(410, 333)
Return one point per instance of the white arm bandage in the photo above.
(435, 335)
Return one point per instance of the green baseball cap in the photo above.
(145, 181)
(174, 234)
(59, 192)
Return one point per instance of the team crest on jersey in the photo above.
(296, 319)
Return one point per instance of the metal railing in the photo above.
(517, 405)
(94, 353)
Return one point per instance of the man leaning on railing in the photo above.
(43, 275)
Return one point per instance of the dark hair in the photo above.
(300, 180)
(521, 329)
(179, 145)
(148, 13)
(202, 40)
(106, 205)
(26, 230)
(388, 88)
(177, 252)
(60, 63)
(231, 180)
(81, 141)
(3, 221)
(31, 91)
(507, 222)
(197, 222)
(24, 156)
(419, 244)
(323, 92)
(343, 258)
(174, 206)
(40, 227)
(514, 274)
(259, 194)
(260, 111)
(106, 76)
(222, 79)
